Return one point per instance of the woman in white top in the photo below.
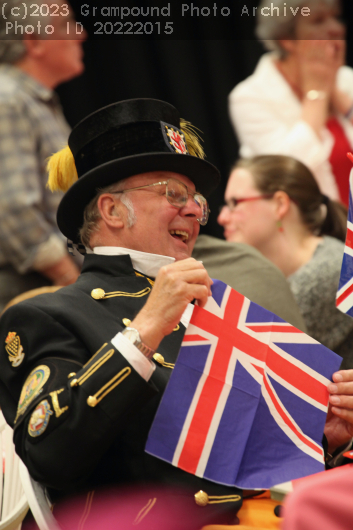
(299, 100)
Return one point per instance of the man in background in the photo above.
(36, 55)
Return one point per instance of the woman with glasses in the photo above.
(299, 100)
(273, 203)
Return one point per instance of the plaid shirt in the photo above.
(32, 127)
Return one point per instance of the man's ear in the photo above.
(110, 210)
(34, 46)
(282, 204)
(288, 45)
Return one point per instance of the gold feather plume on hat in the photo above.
(63, 173)
(62, 170)
(192, 138)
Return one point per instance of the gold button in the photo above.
(74, 382)
(126, 322)
(71, 375)
(201, 498)
(97, 294)
(176, 328)
(92, 401)
(158, 358)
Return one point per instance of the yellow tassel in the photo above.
(192, 138)
(62, 170)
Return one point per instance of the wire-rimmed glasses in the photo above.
(177, 194)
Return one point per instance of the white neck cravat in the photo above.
(144, 262)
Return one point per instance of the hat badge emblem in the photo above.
(176, 140)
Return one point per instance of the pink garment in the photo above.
(321, 502)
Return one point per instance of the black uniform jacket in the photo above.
(81, 413)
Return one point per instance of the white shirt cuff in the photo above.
(143, 366)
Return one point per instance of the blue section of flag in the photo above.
(194, 356)
(346, 271)
(257, 313)
(350, 207)
(242, 380)
(218, 289)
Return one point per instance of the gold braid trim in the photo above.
(216, 499)
(151, 282)
(95, 366)
(54, 397)
(129, 295)
(93, 356)
(92, 401)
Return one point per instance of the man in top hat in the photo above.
(80, 381)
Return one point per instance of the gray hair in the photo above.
(272, 27)
(92, 215)
(23, 13)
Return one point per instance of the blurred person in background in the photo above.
(274, 204)
(320, 502)
(32, 250)
(299, 100)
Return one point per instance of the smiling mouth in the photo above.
(179, 234)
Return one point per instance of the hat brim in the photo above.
(203, 174)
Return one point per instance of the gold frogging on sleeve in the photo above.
(93, 356)
(160, 360)
(92, 401)
(202, 499)
(95, 366)
(54, 397)
(99, 294)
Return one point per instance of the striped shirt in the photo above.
(32, 127)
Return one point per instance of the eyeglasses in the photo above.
(177, 195)
(233, 202)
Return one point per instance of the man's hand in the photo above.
(339, 422)
(176, 286)
(63, 272)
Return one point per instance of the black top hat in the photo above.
(124, 139)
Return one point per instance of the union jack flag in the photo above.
(246, 403)
(344, 297)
